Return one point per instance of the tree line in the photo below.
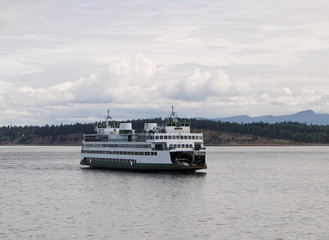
(26, 133)
(294, 131)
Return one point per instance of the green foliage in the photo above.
(285, 130)
(26, 133)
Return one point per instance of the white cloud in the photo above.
(137, 82)
(287, 91)
(136, 66)
(72, 59)
(199, 85)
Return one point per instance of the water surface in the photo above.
(246, 193)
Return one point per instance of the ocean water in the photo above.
(246, 193)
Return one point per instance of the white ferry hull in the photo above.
(162, 161)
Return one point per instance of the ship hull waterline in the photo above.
(145, 167)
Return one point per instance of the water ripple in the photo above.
(246, 193)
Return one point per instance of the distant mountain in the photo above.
(309, 117)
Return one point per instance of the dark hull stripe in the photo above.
(146, 167)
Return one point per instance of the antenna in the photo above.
(173, 115)
(108, 114)
(107, 117)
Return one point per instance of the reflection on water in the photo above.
(246, 193)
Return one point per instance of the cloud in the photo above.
(72, 59)
(132, 81)
(138, 82)
(287, 91)
(127, 81)
(198, 85)
(134, 67)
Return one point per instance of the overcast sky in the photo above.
(68, 61)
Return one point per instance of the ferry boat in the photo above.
(169, 147)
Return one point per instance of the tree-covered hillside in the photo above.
(72, 133)
(47, 134)
(286, 130)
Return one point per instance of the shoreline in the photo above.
(210, 138)
(206, 145)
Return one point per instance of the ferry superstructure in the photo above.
(170, 147)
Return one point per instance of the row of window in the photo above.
(180, 146)
(119, 145)
(144, 138)
(120, 152)
(113, 160)
(169, 137)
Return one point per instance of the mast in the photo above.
(107, 117)
(173, 115)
